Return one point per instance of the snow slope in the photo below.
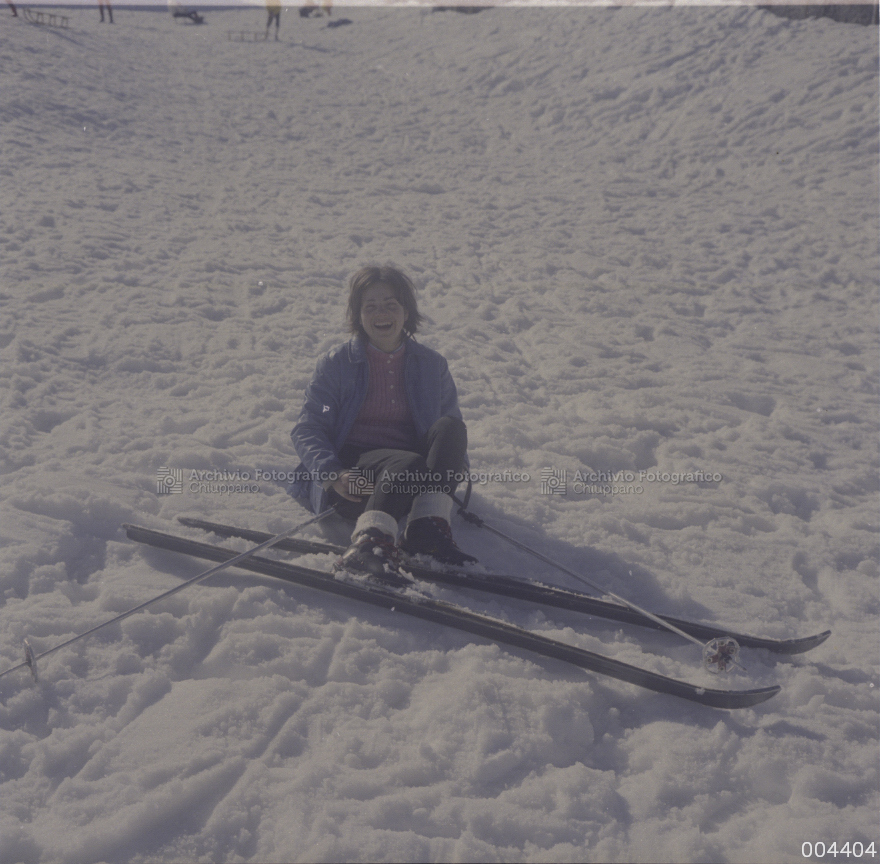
(645, 239)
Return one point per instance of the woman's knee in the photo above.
(406, 464)
(450, 424)
(449, 429)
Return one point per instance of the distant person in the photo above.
(11, 5)
(105, 4)
(274, 9)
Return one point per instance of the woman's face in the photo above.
(382, 317)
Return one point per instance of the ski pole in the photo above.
(718, 654)
(30, 659)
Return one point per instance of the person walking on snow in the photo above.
(380, 433)
(274, 9)
(105, 4)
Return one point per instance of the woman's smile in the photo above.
(382, 317)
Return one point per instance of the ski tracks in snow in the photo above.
(646, 241)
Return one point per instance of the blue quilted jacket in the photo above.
(334, 399)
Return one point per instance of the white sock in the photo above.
(384, 522)
(431, 504)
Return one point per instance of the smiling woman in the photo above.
(382, 307)
(380, 434)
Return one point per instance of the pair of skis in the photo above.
(415, 603)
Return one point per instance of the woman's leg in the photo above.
(399, 476)
(388, 476)
(428, 530)
(395, 477)
(445, 448)
(401, 483)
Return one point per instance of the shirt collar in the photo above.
(394, 355)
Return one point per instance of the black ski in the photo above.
(450, 615)
(531, 591)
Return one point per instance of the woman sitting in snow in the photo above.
(380, 434)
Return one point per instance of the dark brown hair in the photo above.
(401, 286)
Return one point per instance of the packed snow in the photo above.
(646, 241)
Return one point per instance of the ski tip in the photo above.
(732, 699)
(799, 646)
(750, 698)
(762, 695)
(819, 638)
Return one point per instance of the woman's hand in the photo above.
(342, 488)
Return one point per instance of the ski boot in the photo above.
(432, 536)
(373, 551)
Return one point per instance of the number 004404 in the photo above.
(833, 850)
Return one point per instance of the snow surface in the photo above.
(645, 239)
